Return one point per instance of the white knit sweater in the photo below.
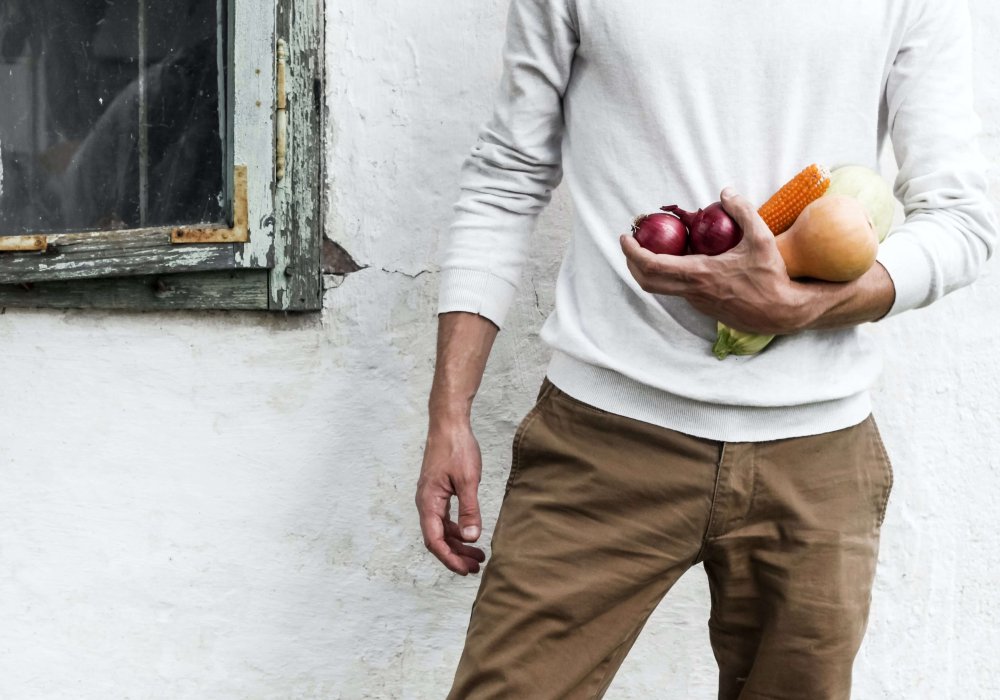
(643, 103)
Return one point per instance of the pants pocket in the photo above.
(886, 465)
(515, 460)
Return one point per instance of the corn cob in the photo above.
(782, 209)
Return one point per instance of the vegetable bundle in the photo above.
(828, 226)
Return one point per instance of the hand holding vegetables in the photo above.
(827, 227)
(747, 288)
(825, 252)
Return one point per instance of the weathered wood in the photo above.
(236, 289)
(253, 122)
(296, 282)
(112, 253)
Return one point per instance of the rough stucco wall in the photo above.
(220, 505)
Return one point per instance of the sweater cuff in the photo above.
(909, 269)
(477, 292)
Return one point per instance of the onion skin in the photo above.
(712, 230)
(663, 234)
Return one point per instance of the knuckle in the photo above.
(464, 481)
(424, 501)
(468, 507)
(756, 235)
(739, 202)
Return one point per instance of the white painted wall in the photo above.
(219, 506)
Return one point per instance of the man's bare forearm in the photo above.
(829, 305)
(463, 346)
(452, 464)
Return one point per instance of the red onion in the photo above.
(713, 231)
(661, 233)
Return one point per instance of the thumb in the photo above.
(744, 214)
(469, 520)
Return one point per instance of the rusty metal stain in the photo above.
(219, 234)
(240, 231)
(23, 244)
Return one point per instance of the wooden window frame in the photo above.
(268, 261)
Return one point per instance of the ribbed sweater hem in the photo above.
(611, 391)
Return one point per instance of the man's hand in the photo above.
(452, 467)
(747, 288)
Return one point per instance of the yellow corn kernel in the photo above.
(782, 209)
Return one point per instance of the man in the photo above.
(645, 455)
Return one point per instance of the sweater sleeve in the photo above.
(509, 176)
(951, 226)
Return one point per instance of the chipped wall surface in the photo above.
(216, 505)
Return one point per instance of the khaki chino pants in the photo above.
(603, 514)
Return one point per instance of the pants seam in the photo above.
(610, 656)
(608, 659)
(756, 481)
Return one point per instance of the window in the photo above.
(161, 155)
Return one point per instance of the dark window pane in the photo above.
(110, 115)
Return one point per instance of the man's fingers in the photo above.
(465, 551)
(647, 262)
(659, 274)
(432, 525)
(737, 206)
(744, 214)
(469, 521)
(453, 536)
(433, 529)
(452, 530)
(460, 563)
